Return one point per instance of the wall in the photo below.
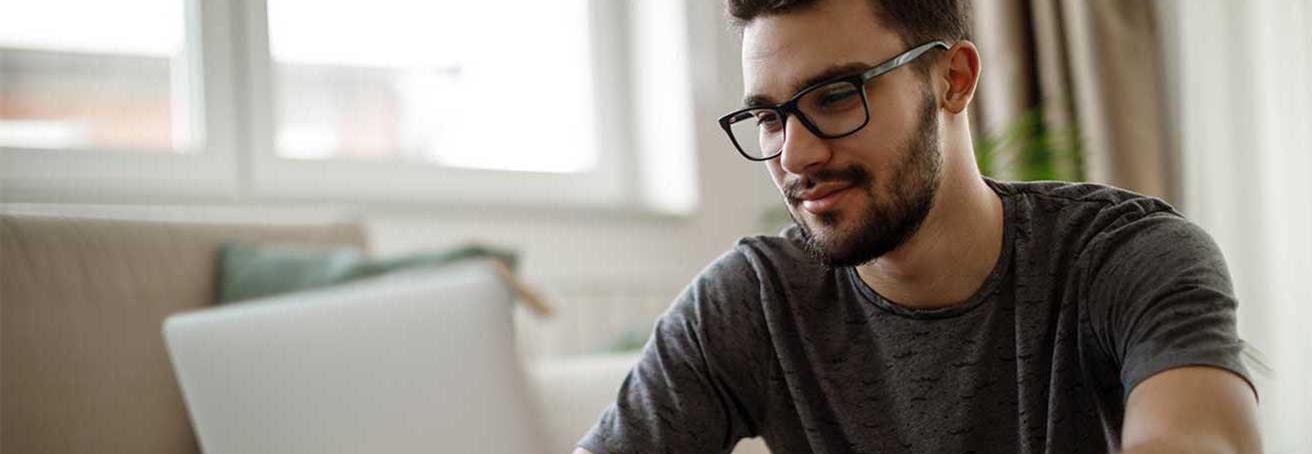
(1241, 101)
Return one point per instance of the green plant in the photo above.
(1030, 149)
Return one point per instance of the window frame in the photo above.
(355, 180)
(235, 159)
(204, 172)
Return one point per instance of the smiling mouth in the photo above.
(822, 201)
(826, 189)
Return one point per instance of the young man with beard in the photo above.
(916, 306)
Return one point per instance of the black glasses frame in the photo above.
(789, 107)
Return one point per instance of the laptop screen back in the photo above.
(416, 362)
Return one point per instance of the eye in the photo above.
(837, 97)
(768, 120)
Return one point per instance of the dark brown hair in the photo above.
(916, 21)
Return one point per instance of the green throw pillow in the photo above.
(254, 270)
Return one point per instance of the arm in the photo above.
(1162, 306)
(1191, 410)
(694, 388)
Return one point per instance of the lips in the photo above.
(821, 191)
(823, 197)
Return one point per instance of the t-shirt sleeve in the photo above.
(1161, 298)
(693, 389)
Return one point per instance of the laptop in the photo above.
(415, 362)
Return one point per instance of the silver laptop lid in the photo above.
(417, 362)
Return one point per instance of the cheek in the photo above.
(894, 120)
(776, 173)
(869, 148)
(895, 108)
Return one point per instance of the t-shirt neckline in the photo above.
(987, 289)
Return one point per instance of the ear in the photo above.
(959, 76)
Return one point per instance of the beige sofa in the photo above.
(82, 364)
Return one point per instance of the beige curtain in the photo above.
(1095, 66)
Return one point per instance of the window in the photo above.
(518, 102)
(116, 101)
(66, 79)
(434, 82)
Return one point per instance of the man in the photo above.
(916, 306)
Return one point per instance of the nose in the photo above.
(802, 150)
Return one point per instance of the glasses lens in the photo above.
(835, 109)
(759, 133)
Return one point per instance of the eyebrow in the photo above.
(831, 72)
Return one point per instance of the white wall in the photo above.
(1242, 101)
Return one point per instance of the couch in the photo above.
(82, 363)
(83, 366)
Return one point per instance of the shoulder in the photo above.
(1131, 226)
(742, 280)
(1082, 197)
(764, 259)
(1084, 216)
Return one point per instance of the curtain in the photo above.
(1241, 72)
(1093, 68)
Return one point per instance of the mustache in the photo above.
(854, 175)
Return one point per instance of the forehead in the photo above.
(782, 51)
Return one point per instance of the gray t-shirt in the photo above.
(1096, 289)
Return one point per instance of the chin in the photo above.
(857, 235)
(837, 239)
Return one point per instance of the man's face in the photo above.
(863, 195)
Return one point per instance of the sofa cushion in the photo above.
(253, 270)
(82, 363)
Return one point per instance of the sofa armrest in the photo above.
(572, 392)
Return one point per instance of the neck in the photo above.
(947, 260)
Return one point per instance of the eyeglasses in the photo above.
(830, 110)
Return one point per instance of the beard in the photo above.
(886, 222)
